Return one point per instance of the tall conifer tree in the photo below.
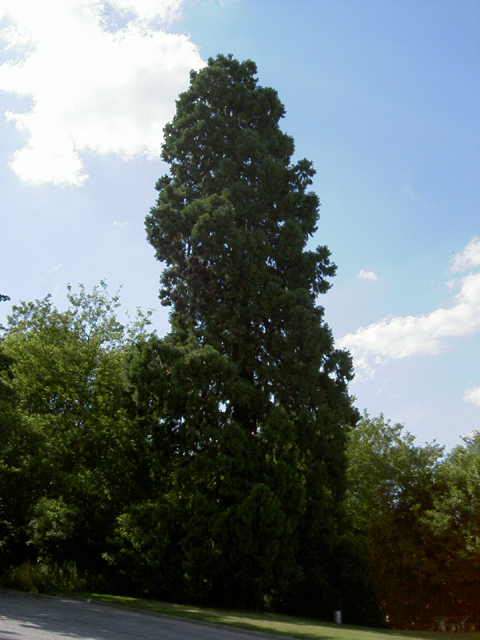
(247, 395)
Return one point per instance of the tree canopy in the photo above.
(69, 460)
(415, 511)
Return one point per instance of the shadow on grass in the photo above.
(288, 626)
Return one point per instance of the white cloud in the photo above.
(472, 395)
(146, 10)
(367, 275)
(95, 87)
(469, 258)
(400, 337)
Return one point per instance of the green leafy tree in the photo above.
(392, 485)
(454, 523)
(7, 420)
(69, 459)
(5, 391)
(246, 399)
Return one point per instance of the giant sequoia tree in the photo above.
(247, 397)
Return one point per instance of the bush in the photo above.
(51, 578)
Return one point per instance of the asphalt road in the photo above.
(30, 617)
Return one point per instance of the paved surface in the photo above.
(30, 617)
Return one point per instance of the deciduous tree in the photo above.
(454, 523)
(392, 486)
(69, 459)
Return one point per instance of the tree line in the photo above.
(226, 463)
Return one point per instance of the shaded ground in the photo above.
(32, 617)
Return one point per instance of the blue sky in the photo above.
(382, 95)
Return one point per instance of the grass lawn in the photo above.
(288, 626)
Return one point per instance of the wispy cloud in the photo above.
(367, 275)
(403, 336)
(103, 78)
(51, 271)
(472, 395)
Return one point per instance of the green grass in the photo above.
(288, 626)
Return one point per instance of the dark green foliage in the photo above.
(246, 399)
(225, 524)
(454, 525)
(5, 362)
(8, 533)
(417, 515)
(390, 482)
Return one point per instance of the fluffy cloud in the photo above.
(367, 275)
(103, 78)
(472, 395)
(469, 258)
(145, 10)
(400, 337)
